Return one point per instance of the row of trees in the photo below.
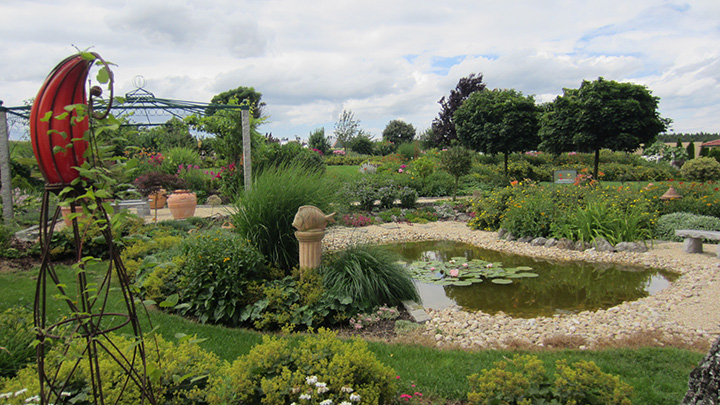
(600, 114)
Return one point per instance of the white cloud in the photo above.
(383, 60)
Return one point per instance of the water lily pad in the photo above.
(526, 275)
(462, 283)
(501, 281)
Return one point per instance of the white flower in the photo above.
(65, 394)
(311, 380)
(346, 388)
(33, 399)
(326, 402)
(355, 397)
(6, 395)
(345, 403)
(321, 388)
(305, 396)
(22, 391)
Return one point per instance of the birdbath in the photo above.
(310, 223)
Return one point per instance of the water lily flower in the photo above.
(454, 272)
(464, 264)
(432, 268)
(489, 265)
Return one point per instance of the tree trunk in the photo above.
(5, 177)
(597, 164)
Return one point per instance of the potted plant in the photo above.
(155, 186)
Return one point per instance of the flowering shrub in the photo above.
(318, 368)
(356, 220)
(339, 152)
(382, 313)
(387, 196)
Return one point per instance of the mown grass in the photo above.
(658, 375)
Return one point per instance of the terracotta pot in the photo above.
(157, 200)
(65, 211)
(182, 204)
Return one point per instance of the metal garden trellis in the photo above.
(60, 122)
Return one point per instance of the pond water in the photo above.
(560, 287)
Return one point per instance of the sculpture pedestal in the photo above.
(310, 247)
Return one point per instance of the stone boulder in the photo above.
(551, 242)
(635, 247)
(538, 241)
(566, 244)
(602, 245)
(704, 384)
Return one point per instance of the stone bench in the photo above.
(694, 239)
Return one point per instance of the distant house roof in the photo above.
(711, 143)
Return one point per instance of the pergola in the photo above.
(141, 109)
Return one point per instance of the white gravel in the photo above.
(687, 313)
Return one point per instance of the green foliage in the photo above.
(523, 380)
(601, 114)
(498, 121)
(317, 140)
(17, 332)
(362, 144)
(701, 169)
(265, 214)
(278, 372)
(384, 148)
(424, 167)
(219, 266)
(409, 150)
(370, 276)
(343, 160)
(690, 150)
(179, 156)
(457, 161)
(669, 223)
(398, 132)
(408, 197)
(667, 152)
(178, 372)
(275, 155)
(346, 129)
(237, 96)
(530, 212)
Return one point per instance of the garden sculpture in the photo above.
(310, 223)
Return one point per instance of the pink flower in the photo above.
(489, 265)
(464, 264)
(454, 272)
(406, 397)
(403, 166)
(400, 170)
(432, 268)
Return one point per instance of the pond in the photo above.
(542, 288)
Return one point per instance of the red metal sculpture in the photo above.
(60, 143)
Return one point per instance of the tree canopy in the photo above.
(498, 121)
(346, 129)
(240, 94)
(444, 125)
(601, 114)
(398, 131)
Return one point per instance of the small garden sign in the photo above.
(564, 176)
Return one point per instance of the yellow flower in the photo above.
(226, 259)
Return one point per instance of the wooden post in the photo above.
(247, 161)
(5, 175)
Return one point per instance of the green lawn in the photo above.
(659, 375)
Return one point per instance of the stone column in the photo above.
(310, 248)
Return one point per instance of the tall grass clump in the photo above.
(370, 276)
(265, 214)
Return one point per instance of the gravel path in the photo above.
(685, 314)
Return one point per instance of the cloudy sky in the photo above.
(383, 60)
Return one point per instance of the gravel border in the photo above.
(685, 314)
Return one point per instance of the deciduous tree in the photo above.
(444, 125)
(346, 129)
(398, 131)
(601, 114)
(498, 121)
